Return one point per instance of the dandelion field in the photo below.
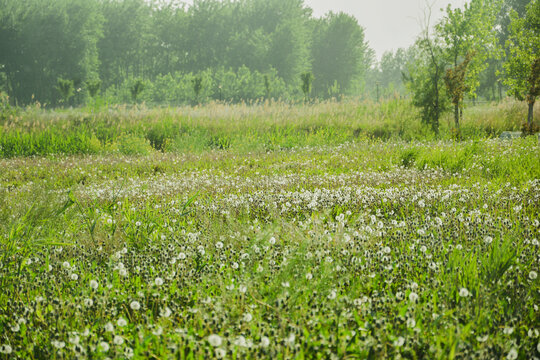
(350, 249)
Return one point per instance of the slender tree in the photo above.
(425, 77)
(469, 39)
(307, 79)
(522, 68)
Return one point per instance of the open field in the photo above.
(265, 126)
(352, 247)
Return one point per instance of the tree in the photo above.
(65, 88)
(469, 39)
(425, 78)
(136, 89)
(93, 87)
(42, 40)
(306, 78)
(197, 86)
(454, 80)
(339, 53)
(522, 68)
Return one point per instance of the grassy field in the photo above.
(242, 128)
(267, 231)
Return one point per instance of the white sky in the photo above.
(388, 24)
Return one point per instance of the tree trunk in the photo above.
(530, 115)
(456, 116)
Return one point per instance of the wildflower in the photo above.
(240, 341)
(482, 338)
(128, 353)
(214, 340)
(508, 330)
(181, 256)
(58, 344)
(332, 295)
(74, 339)
(135, 305)
(66, 265)
(290, 340)
(121, 322)
(247, 317)
(309, 276)
(109, 327)
(165, 312)
(118, 340)
(158, 281)
(242, 289)
(413, 297)
(272, 240)
(260, 268)
(158, 331)
(411, 323)
(235, 265)
(94, 284)
(285, 284)
(533, 275)
(488, 240)
(88, 302)
(219, 245)
(463, 292)
(104, 346)
(74, 277)
(122, 272)
(220, 353)
(399, 341)
(7, 349)
(265, 341)
(512, 354)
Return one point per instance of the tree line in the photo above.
(65, 51)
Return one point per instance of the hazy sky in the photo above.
(389, 24)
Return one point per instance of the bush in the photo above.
(130, 144)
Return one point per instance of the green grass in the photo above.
(262, 127)
(311, 244)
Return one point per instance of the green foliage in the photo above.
(425, 79)
(468, 40)
(340, 55)
(65, 88)
(6, 110)
(119, 41)
(522, 68)
(136, 89)
(131, 144)
(93, 87)
(306, 84)
(197, 83)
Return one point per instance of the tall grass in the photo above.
(249, 127)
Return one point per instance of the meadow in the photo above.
(336, 230)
